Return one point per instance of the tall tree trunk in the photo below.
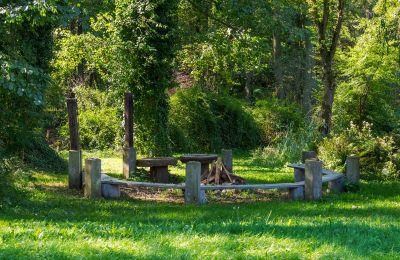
(278, 72)
(327, 103)
(327, 50)
(309, 80)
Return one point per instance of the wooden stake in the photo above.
(72, 108)
(128, 119)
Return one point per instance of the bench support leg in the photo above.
(336, 186)
(298, 175)
(296, 193)
(110, 191)
(160, 174)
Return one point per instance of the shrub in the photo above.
(277, 119)
(379, 156)
(100, 122)
(202, 121)
(287, 149)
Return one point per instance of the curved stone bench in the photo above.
(158, 167)
(335, 180)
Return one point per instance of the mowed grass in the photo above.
(54, 222)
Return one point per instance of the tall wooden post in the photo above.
(92, 178)
(353, 170)
(193, 194)
(227, 160)
(129, 154)
(75, 154)
(313, 179)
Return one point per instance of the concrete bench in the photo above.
(335, 180)
(158, 167)
(204, 159)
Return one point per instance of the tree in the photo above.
(25, 52)
(145, 32)
(328, 29)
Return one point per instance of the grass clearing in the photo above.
(54, 222)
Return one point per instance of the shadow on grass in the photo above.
(333, 220)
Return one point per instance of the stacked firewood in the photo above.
(220, 175)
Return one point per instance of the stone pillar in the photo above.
(308, 155)
(193, 194)
(227, 160)
(313, 179)
(92, 178)
(299, 173)
(129, 162)
(74, 170)
(353, 170)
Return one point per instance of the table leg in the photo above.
(160, 174)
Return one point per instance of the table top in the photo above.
(156, 162)
(203, 158)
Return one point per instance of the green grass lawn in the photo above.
(50, 221)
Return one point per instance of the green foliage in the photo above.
(25, 50)
(379, 156)
(145, 30)
(277, 119)
(201, 121)
(287, 149)
(100, 121)
(56, 223)
(370, 70)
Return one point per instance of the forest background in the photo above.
(274, 77)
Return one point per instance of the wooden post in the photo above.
(313, 179)
(72, 108)
(92, 178)
(353, 170)
(193, 194)
(129, 155)
(75, 154)
(227, 160)
(128, 119)
(74, 170)
(299, 173)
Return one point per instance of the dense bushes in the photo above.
(276, 119)
(379, 156)
(100, 121)
(201, 122)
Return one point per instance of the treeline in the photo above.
(278, 75)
